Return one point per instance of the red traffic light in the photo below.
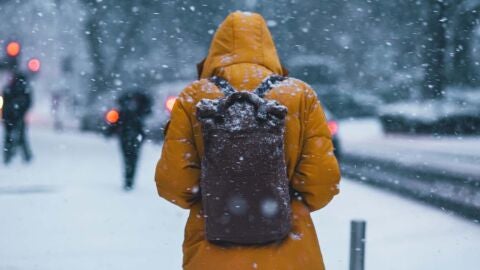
(13, 49)
(170, 102)
(112, 116)
(34, 65)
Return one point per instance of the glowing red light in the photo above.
(112, 116)
(333, 127)
(13, 49)
(170, 102)
(34, 65)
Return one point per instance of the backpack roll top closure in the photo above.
(212, 112)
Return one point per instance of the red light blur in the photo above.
(333, 127)
(170, 102)
(13, 49)
(34, 65)
(112, 116)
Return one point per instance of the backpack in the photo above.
(244, 183)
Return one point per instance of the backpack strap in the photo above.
(267, 85)
(264, 87)
(223, 85)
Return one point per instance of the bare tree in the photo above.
(434, 50)
(114, 31)
(463, 71)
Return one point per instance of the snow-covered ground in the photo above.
(67, 211)
(457, 154)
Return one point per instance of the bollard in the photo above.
(357, 245)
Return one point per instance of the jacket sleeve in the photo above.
(178, 170)
(317, 173)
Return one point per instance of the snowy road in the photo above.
(67, 211)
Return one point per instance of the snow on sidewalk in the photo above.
(84, 220)
(401, 234)
(77, 217)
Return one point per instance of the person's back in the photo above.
(134, 107)
(17, 99)
(243, 53)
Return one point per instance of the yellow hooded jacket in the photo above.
(242, 51)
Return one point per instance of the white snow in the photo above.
(429, 111)
(455, 154)
(401, 234)
(67, 211)
(457, 102)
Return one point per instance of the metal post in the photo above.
(357, 245)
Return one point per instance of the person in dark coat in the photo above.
(134, 107)
(17, 101)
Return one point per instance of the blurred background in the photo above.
(400, 81)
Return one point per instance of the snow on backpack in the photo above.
(244, 183)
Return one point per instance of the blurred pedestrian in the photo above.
(55, 106)
(17, 101)
(133, 107)
(205, 152)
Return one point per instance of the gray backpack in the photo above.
(244, 183)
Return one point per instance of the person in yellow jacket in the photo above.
(243, 52)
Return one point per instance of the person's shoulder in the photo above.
(193, 92)
(197, 88)
(299, 86)
(296, 83)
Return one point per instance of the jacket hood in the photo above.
(243, 37)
